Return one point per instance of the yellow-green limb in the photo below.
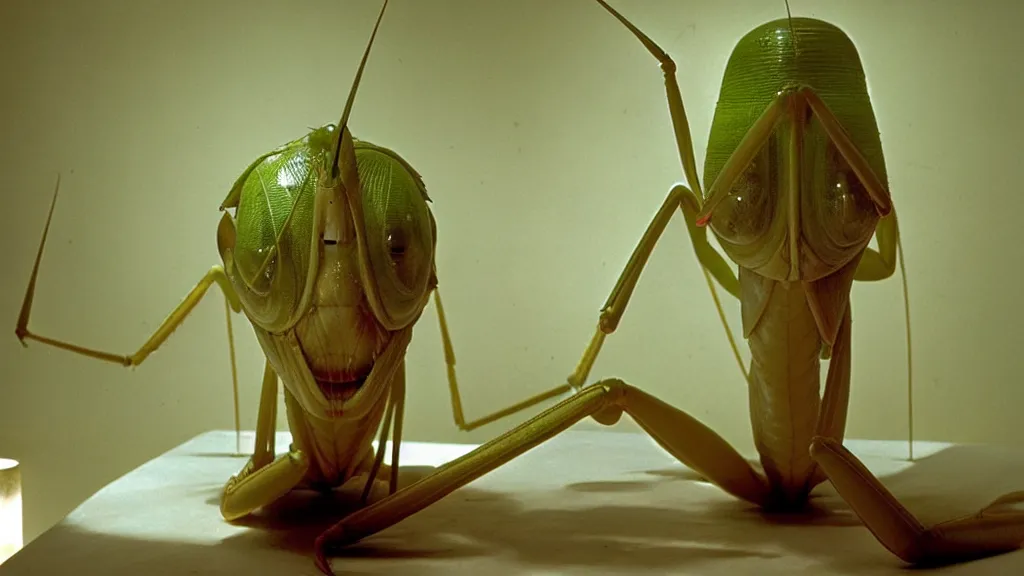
(691, 203)
(265, 477)
(691, 442)
(177, 316)
(713, 265)
(995, 529)
(453, 383)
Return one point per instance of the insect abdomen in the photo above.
(785, 388)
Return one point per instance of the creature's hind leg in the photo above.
(693, 443)
(995, 529)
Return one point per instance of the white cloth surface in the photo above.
(587, 502)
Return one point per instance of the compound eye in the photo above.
(399, 236)
(397, 244)
(408, 249)
(844, 209)
(745, 214)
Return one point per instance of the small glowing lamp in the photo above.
(10, 509)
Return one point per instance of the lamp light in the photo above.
(10, 509)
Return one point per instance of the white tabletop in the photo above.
(585, 503)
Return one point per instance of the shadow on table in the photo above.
(472, 522)
(296, 520)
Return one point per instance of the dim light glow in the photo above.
(10, 509)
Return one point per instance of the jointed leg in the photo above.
(689, 202)
(453, 383)
(988, 532)
(696, 217)
(215, 274)
(991, 531)
(264, 479)
(693, 443)
(836, 399)
(712, 264)
(880, 264)
(675, 102)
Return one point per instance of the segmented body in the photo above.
(791, 309)
(784, 389)
(310, 309)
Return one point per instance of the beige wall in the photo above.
(542, 131)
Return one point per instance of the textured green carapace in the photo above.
(272, 263)
(767, 60)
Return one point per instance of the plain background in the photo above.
(542, 132)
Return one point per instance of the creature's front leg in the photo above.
(264, 479)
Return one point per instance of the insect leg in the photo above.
(691, 204)
(675, 100)
(995, 529)
(696, 218)
(835, 400)
(693, 443)
(176, 317)
(880, 264)
(264, 479)
(711, 263)
(453, 383)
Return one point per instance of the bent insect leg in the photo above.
(453, 383)
(264, 479)
(712, 264)
(174, 319)
(690, 202)
(995, 529)
(683, 436)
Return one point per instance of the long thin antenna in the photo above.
(910, 358)
(792, 31)
(352, 92)
(337, 149)
(21, 331)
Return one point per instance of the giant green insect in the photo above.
(330, 256)
(798, 189)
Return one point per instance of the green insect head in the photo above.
(395, 231)
(292, 202)
(798, 180)
(328, 189)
